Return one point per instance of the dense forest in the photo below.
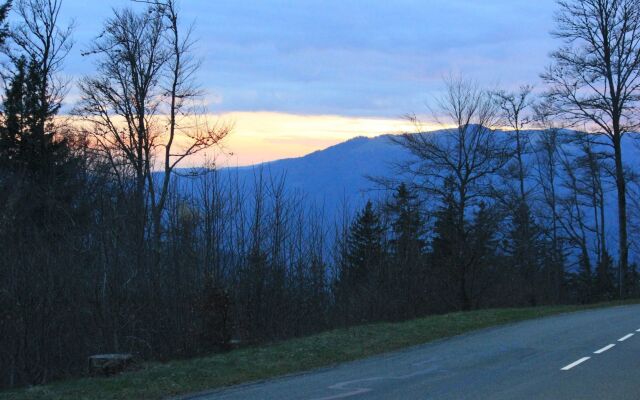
(105, 248)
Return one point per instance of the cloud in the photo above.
(349, 57)
(265, 136)
(301, 75)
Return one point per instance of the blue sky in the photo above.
(347, 58)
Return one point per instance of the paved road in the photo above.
(539, 359)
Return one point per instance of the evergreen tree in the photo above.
(364, 245)
(463, 251)
(480, 254)
(41, 174)
(407, 245)
(407, 224)
(446, 229)
(4, 27)
(357, 286)
(522, 250)
(445, 257)
(12, 129)
(44, 210)
(28, 138)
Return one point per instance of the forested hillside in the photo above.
(108, 245)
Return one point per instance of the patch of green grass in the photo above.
(161, 380)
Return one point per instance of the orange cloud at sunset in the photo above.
(258, 137)
(266, 136)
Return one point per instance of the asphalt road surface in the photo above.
(586, 355)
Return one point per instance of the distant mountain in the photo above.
(328, 177)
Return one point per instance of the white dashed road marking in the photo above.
(602, 350)
(625, 337)
(573, 364)
(599, 351)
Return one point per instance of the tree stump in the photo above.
(109, 364)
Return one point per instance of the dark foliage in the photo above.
(100, 254)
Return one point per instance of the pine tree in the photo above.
(365, 248)
(14, 110)
(407, 245)
(446, 230)
(357, 286)
(407, 224)
(522, 249)
(462, 250)
(481, 254)
(37, 163)
(4, 27)
(28, 139)
(445, 257)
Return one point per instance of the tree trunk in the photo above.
(622, 214)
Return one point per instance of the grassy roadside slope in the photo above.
(156, 381)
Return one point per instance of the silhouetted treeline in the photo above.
(104, 247)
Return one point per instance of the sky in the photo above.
(300, 75)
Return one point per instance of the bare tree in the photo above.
(595, 78)
(470, 153)
(593, 165)
(144, 98)
(523, 234)
(184, 112)
(467, 157)
(40, 38)
(513, 109)
(547, 150)
(573, 208)
(37, 48)
(121, 101)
